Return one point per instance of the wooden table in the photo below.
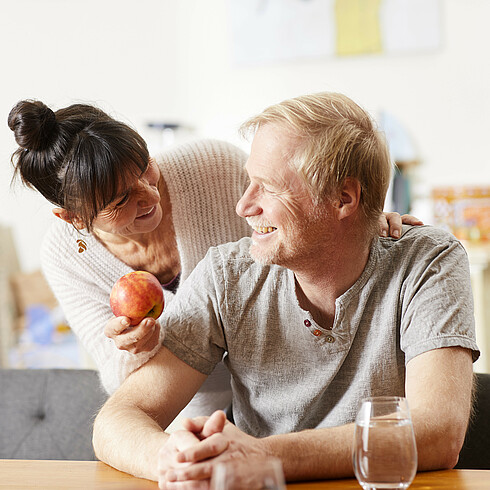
(437, 480)
(18, 474)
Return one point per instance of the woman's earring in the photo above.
(82, 246)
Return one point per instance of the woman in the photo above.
(120, 211)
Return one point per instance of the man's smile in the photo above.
(264, 230)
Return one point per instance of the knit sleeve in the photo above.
(82, 282)
(205, 181)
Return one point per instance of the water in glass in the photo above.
(384, 451)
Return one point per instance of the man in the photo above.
(312, 314)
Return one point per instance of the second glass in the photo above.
(251, 474)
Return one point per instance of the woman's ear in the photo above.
(349, 198)
(67, 216)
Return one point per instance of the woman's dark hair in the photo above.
(79, 158)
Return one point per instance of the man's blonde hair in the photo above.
(338, 139)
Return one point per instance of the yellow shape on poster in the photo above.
(358, 27)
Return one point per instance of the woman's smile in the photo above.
(148, 214)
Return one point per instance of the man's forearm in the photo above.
(128, 439)
(327, 453)
(314, 454)
(128, 431)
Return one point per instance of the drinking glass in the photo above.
(384, 450)
(249, 474)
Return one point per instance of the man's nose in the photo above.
(247, 205)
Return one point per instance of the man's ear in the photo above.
(349, 198)
(68, 217)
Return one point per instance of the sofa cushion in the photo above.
(48, 413)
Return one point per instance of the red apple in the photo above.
(137, 295)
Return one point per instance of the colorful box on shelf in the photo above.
(464, 211)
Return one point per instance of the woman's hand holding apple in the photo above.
(135, 339)
(137, 301)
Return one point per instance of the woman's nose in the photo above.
(247, 205)
(148, 194)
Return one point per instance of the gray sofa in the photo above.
(48, 413)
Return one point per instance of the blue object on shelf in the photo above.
(40, 324)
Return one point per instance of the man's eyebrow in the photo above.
(268, 180)
(262, 180)
(273, 185)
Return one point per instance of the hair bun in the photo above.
(34, 124)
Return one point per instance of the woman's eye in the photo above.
(123, 201)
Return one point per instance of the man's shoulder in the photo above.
(417, 248)
(417, 239)
(427, 232)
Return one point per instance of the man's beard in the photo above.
(294, 247)
(267, 257)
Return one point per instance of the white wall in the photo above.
(172, 60)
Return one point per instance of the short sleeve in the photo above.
(192, 323)
(437, 300)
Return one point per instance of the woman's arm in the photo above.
(82, 283)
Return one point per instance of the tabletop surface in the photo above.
(18, 474)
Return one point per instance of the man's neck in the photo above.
(318, 287)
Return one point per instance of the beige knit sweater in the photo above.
(205, 179)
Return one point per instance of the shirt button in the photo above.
(307, 323)
(316, 333)
(330, 339)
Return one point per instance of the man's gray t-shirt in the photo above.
(289, 373)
